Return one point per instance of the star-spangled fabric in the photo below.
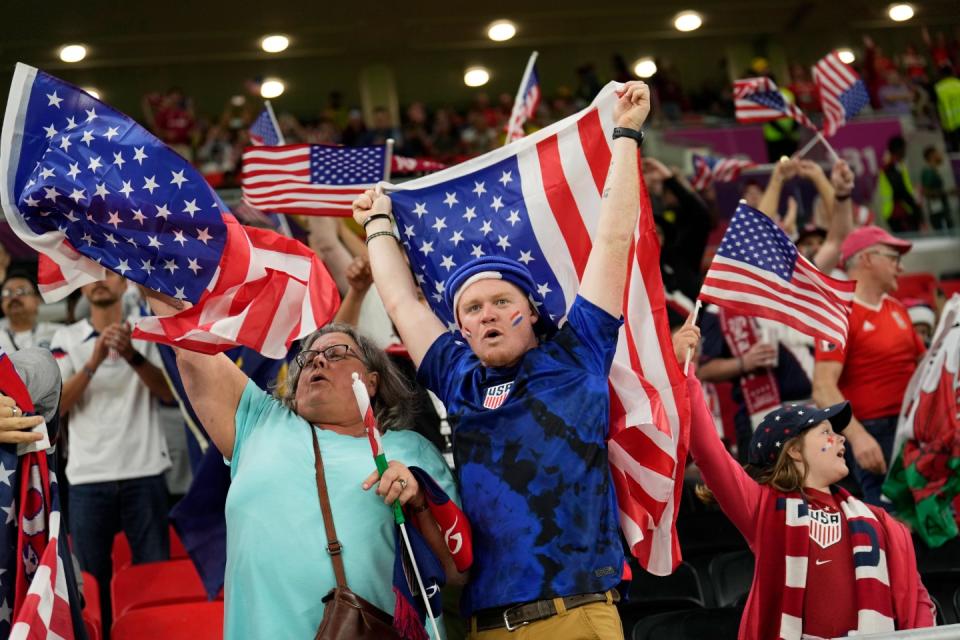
(758, 271)
(760, 100)
(263, 131)
(170, 232)
(538, 201)
(81, 177)
(842, 92)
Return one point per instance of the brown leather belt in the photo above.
(518, 615)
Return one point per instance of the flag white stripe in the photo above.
(577, 174)
(279, 169)
(270, 153)
(272, 177)
(302, 188)
(305, 204)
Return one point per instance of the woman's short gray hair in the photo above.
(392, 404)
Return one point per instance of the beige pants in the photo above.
(595, 621)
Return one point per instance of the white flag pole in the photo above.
(686, 362)
(388, 161)
(518, 103)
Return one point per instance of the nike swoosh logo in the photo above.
(819, 562)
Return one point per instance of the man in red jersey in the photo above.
(880, 356)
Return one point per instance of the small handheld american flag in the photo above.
(710, 169)
(527, 101)
(759, 272)
(842, 92)
(264, 130)
(760, 100)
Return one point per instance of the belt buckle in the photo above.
(506, 620)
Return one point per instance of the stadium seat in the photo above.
(683, 583)
(633, 611)
(922, 286)
(155, 583)
(190, 621)
(731, 575)
(942, 586)
(716, 624)
(122, 556)
(949, 287)
(92, 618)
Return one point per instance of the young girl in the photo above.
(826, 563)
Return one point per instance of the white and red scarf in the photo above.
(759, 388)
(788, 574)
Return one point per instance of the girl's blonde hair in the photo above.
(783, 475)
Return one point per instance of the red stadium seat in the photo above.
(950, 287)
(191, 621)
(122, 557)
(92, 618)
(922, 286)
(154, 584)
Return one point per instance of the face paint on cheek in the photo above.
(830, 441)
(516, 318)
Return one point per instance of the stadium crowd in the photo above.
(752, 381)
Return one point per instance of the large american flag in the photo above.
(538, 201)
(90, 189)
(310, 179)
(710, 169)
(760, 100)
(758, 272)
(842, 92)
(34, 597)
(527, 101)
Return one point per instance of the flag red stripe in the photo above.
(595, 147)
(562, 204)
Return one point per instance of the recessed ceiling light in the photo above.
(73, 52)
(476, 77)
(271, 88)
(645, 67)
(501, 30)
(900, 12)
(274, 43)
(687, 21)
(846, 56)
(93, 92)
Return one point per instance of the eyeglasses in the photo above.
(333, 353)
(18, 292)
(886, 254)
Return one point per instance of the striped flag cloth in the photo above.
(538, 201)
(710, 169)
(758, 272)
(90, 189)
(842, 92)
(759, 100)
(263, 131)
(528, 99)
(310, 179)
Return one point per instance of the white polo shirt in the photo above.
(39, 336)
(114, 426)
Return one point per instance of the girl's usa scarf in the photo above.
(787, 574)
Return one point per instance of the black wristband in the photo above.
(136, 359)
(623, 132)
(381, 233)
(376, 216)
(845, 196)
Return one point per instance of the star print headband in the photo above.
(789, 421)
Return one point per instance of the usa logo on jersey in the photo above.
(497, 395)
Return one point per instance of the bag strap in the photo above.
(334, 548)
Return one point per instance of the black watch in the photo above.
(623, 132)
(136, 359)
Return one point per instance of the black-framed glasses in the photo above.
(333, 353)
(18, 292)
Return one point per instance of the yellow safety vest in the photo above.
(886, 190)
(948, 103)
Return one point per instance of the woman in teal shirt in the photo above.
(277, 566)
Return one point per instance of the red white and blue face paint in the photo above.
(830, 442)
(516, 318)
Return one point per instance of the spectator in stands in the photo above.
(914, 65)
(783, 134)
(382, 129)
(923, 318)
(896, 96)
(786, 505)
(416, 139)
(117, 452)
(683, 222)
(172, 119)
(898, 207)
(278, 569)
(20, 328)
(478, 137)
(934, 191)
(804, 90)
(882, 350)
(542, 510)
(947, 89)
